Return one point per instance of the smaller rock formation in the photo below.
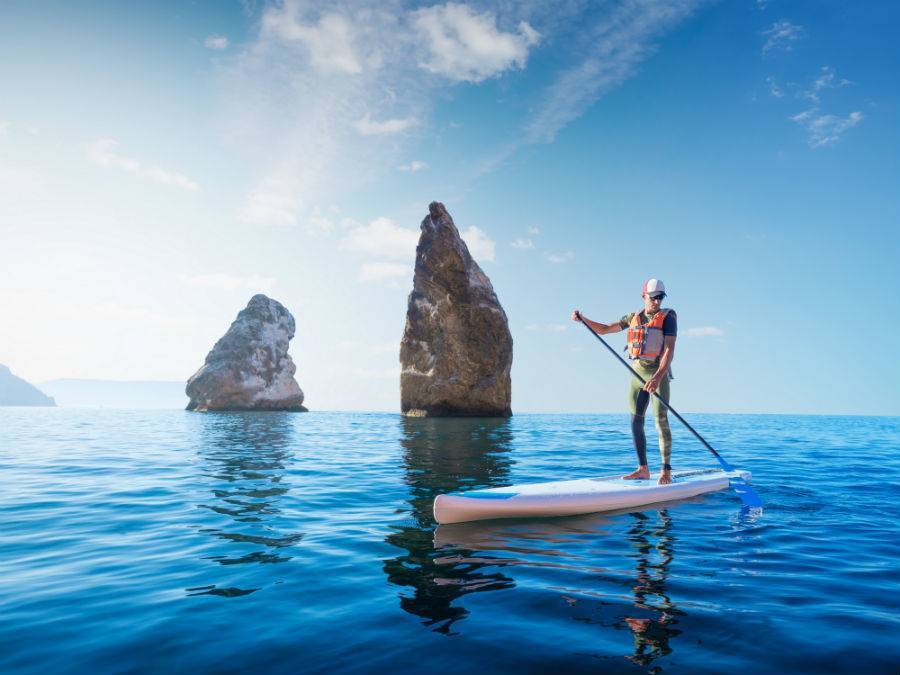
(456, 353)
(16, 391)
(249, 367)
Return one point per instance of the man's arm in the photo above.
(664, 362)
(601, 328)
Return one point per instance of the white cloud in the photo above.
(480, 246)
(704, 331)
(522, 243)
(774, 89)
(548, 327)
(382, 271)
(827, 79)
(143, 316)
(383, 238)
(230, 282)
(413, 166)
(367, 127)
(466, 46)
(318, 223)
(330, 42)
(4, 127)
(825, 129)
(558, 258)
(534, 231)
(274, 203)
(781, 36)
(103, 152)
(217, 42)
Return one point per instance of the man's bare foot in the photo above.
(665, 478)
(641, 473)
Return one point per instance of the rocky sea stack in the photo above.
(249, 367)
(456, 352)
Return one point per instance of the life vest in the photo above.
(645, 340)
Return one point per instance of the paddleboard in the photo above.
(573, 497)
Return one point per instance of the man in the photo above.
(651, 346)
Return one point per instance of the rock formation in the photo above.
(16, 391)
(456, 352)
(249, 367)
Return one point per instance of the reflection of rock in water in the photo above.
(244, 454)
(654, 552)
(443, 455)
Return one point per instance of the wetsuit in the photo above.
(638, 399)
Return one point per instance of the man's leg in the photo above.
(638, 399)
(663, 431)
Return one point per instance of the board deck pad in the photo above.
(573, 497)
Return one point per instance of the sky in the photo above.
(161, 162)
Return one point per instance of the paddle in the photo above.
(738, 484)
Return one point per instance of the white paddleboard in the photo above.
(573, 497)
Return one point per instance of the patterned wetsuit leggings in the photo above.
(638, 400)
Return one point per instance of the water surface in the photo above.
(141, 541)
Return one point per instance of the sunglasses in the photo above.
(657, 297)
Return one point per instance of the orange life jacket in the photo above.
(645, 340)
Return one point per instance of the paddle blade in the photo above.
(745, 492)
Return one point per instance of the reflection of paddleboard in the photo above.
(572, 497)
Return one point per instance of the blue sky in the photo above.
(161, 162)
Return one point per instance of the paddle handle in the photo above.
(725, 465)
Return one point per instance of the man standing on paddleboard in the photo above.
(651, 346)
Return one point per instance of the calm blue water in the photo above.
(167, 541)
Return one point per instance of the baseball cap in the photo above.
(653, 288)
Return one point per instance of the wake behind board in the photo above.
(573, 497)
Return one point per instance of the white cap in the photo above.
(653, 287)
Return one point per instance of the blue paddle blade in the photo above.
(745, 492)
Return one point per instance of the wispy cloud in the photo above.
(464, 45)
(216, 42)
(522, 243)
(774, 89)
(827, 79)
(414, 166)
(781, 36)
(369, 127)
(273, 202)
(4, 127)
(383, 238)
(825, 129)
(381, 271)
(104, 153)
(609, 52)
(559, 258)
(230, 282)
(704, 331)
(482, 247)
(534, 231)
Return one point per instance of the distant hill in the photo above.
(117, 393)
(16, 391)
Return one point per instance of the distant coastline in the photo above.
(74, 392)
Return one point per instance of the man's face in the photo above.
(652, 304)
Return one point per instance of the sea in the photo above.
(163, 541)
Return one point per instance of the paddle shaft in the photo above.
(725, 465)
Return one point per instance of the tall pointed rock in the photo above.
(456, 352)
(249, 368)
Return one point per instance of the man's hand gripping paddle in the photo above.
(738, 484)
